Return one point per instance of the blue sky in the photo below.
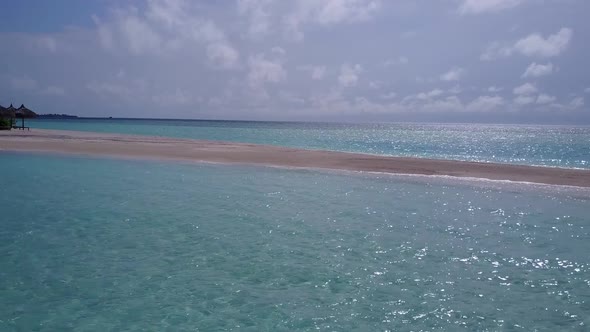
(516, 61)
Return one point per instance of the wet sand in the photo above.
(147, 147)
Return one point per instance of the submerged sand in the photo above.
(130, 146)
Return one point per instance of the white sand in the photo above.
(129, 146)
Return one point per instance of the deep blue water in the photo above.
(558, 146)
(111, 245)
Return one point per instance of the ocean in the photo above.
(554, 146)
(99, 244)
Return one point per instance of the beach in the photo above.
(152, 147)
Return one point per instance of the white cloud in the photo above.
(402, 60)
(536, 45)
(175, 98)
(434, 102)
(335, 102)
(28, 84)
(121, 74)
(105, 89)
(128, 90)
(23, 83)
(204, 31)
(375, 84)
(455, 90)
(349, 75)
(545, 99)
(220, 52)
(223, 55)
(525, 89)
(318, 72)
(175, 47)
(453, 74)
(388, 96)
(485, 104)
(448, 104)
(532, 45)
(278, 50)
(105, 36)
(524, 100)
(574, 104)
(431, 94)
(341, 11)
(139, 35)
(525, 95)
(482, 6)
(327, 12)
(408, 34)
(291, 98)
(263, 70)
(167, 12)
(165, 27)
(577, 102)
(421, 79)
(537, 70)
(423, 95)
(54, 91)
(258, 15)
(495, 50)
(104, 32)
(48, 43)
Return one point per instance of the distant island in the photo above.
(56, 116)
(21, 112)
(8, 116)
(11, 112)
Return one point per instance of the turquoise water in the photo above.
(558, 146)
(110, 245)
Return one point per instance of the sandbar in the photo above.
(151, 147)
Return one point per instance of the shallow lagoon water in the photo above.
(99, 245)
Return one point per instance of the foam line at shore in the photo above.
(131, 146)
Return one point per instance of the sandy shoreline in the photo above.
(130, 146)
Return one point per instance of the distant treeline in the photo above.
(56, 116)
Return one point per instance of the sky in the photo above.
(498, 61)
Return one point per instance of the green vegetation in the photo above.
(5, 122)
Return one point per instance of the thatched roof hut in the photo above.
(24, 112)
(7, 113)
